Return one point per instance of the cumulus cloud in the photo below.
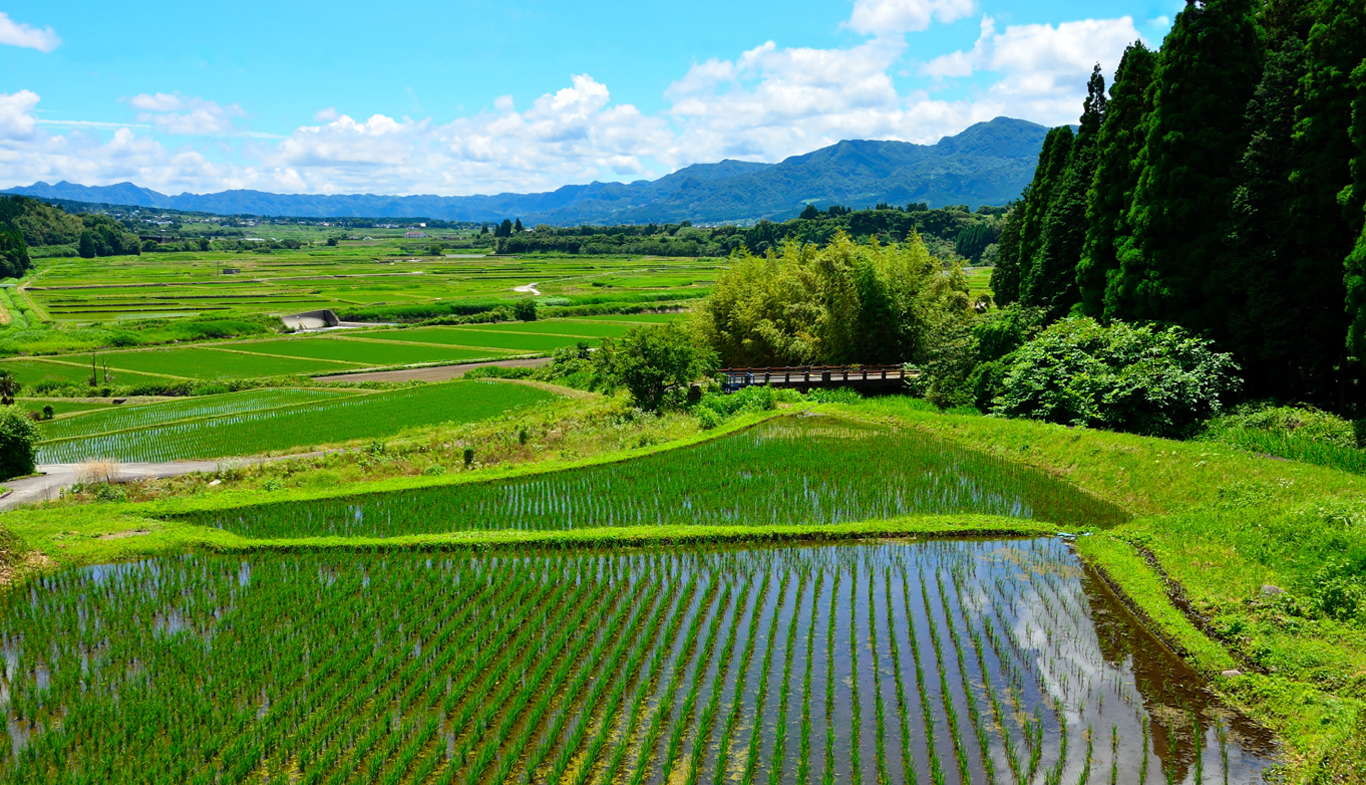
(14, 33)
(893, 17)
(16, 118)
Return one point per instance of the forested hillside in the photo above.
(1218, 186)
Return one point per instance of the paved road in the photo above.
(56, 476)
(438, 373)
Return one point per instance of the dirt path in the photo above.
(57, 476)
(528, 289)
(439, 373)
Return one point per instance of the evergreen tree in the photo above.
(504, 229)
(1355, 197)
(1053, 159)
(1052, 281)
(1005, 276)
(1117, 149)
(1322, 230)
(1264, 329)
(1206, 72)
(517, 227)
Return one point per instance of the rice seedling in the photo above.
(251, 431)
(793, 471)
(567, 666)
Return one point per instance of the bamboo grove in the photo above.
(1220, 185)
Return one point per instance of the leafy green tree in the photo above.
(525, 309)
(1005, 276)
(9, 388)
(1117, 149)
(1052, 280)
(86, 246)
(653, 361)
(18, 443)
(1146, 380)
(810, 213)
(14, 258)
(1207, 70)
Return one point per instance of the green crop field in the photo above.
(363, 352)
(67, 368)
(494, 339)
(123, 418)
(578, 328)
(244, 431)
(960, 661)
(796, 471)
(216, 363)
(314, 277)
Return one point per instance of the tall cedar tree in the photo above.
(1112, 190)
(1208, 67)
(1264, 329)
(1321, 228)
(1048, 177)
(1052, 282)
(1005, 276)
(1356, 260)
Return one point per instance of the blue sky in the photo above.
(521, 95)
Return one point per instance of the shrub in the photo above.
(18, 441)
(525, 310)
(707, 418)
(433, 471)
(1145, 380)
(654, 360)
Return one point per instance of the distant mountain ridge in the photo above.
(987, 164)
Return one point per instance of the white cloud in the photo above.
(173, 113)
(16, 120)
(764, 104)
(19, 34)
(893, 17)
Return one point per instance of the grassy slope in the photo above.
(1222, 524)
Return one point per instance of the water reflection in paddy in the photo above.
(902, 661)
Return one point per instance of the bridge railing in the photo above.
(813, 375)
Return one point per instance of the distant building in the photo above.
(415, 236)
(231, 270)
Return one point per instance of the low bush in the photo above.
(18, 442)
(1292, 432)
(1144, 380)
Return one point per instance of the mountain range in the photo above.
(987, 164)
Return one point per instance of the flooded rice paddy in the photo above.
(954, 661)
(796, 470)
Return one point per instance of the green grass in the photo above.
(205, 363)
(581, 328)
(368, 353)
(304, 425)
(62, 406)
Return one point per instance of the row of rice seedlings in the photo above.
(752, 478)
(937, 776)
(969, 694)
(707, 719)
(741, 676)
(765, 669)
(779, 753)
(945, 694)
(804, 745)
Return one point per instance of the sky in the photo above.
(456, 97)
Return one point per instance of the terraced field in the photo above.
(263, 421)
(936, 662)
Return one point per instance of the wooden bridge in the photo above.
(871, 378)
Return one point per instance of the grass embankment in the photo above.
(1255, 549)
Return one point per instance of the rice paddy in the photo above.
(264, 421)
(897, 662)
(797, 470)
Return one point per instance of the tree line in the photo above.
(949, 232)
(1218, 186)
